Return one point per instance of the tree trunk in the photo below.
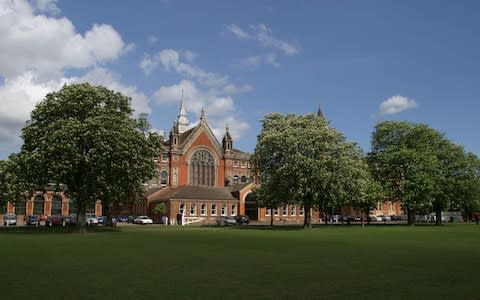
(271, 217)
(438, 217)
(411, 217)
(81, 220)
(307, 223)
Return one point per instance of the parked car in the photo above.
(226, 221)
(32, 220)
(122, 218)
(143, 220)
(242, 219)
(102, 220)
(55, 220)
(91, 219)
(9, 220)
(71, 220)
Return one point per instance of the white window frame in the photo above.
(276, 212)
(233, 212)
(213, 209)
(302, 211)
(268, 212)
(293, 211)
(203, 209)
(193, 209)
(224, 210)
(181, 208)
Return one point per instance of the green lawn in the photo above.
(328, 262)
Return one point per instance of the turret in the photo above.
(227, 142)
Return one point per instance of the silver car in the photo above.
(9, 220)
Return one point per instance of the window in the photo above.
(72, 206)
(193, 209)
(224, 210)
(214, 210)
(293, 211)
(235, 163)
(38, 205)
(276, 212)
(181, 208)
(20, 205)
(268, 212)
(302, 211)
(202, 168)
(234, 210)
(3, 207)
(203, 209)
(164, 156)
(244, 164)
(379, 206)
(235, 179)
(243, 179)
(163, 178)
(285, 210)
(56, 205)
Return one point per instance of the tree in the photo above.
(419, 166)
(12, 182)
(372, 193)
(86, 138)
(301, 159)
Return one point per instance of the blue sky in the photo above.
(361, 61)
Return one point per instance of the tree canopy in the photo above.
(86, 138)
(300, 159)
(419, 166)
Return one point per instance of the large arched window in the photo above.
(38, 205)
(20, 205)
(56, 205)
(202, 168)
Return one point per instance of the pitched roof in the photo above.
(195, 192)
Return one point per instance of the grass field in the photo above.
(329, 262)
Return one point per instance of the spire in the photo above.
(319, 112)
(202, 114)
(182, 118)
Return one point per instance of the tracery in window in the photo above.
(202, 168)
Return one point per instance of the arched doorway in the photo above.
(251, 207)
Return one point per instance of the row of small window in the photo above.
(192, 209)
(242, 179)
(243, 163)
(286, 211)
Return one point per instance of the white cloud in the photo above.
(264, 35)
(36, 49)
(170, 60)
(19, 96)
(251, 62)
(238, 32)
(47, 6)
(48, 45)
(233, 89)
(254, 62)
(396, 104)
(99, 76)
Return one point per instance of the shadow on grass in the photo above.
(54, 229)
(292, 227)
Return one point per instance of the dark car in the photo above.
(56, 220)
(242, 219)
(122, 219)
(71, 220)
(32, 220)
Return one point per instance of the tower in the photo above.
(182, 120)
